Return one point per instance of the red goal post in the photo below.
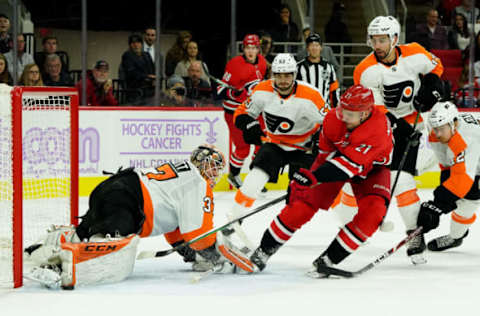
(38, 169)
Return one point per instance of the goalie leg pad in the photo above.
(111, 260)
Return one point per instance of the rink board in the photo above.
(110, 137)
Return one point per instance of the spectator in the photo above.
(191, 56)
(31, 76)
(462, 96)
(266, 49)
(445, 9)
(285, 30)
(177, 52)
(99, 86)
(306, 31)
(138, 68)
(336, 30)
(466, 9)
(459, 36)
(431, 35)
(197, 88)
(23, 58)
(50, 46)
(176, 91)
(55, 75)
(4, 36)
(4, 74)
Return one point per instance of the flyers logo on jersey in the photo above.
(398, 92)
(277, 123)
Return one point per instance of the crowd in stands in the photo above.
(446, 31)
(185, 76)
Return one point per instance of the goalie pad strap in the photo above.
(236, 258)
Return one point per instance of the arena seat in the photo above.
(449, 57)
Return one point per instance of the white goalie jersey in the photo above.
(178, 201)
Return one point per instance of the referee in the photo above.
(318, 72)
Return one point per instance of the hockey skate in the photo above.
(320, 268)
(235, 181)
(416, 248)
(259, 258)
(445, 242)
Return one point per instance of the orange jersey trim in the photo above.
(368, 61)
(306, 92)
(293, 139)
(410, 118)
(173, 237)
(415, 48)
(207, 225)
(459, 182)
(147, 227)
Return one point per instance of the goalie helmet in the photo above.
(383, 25)
(284, 63)
(210, 162)
(443, 113)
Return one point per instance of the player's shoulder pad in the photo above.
(366, 63)
(307, 91)
(412, 49)
(264, 85)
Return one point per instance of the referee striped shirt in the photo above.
(322, 76)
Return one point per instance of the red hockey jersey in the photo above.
(238, 73)
(356, 152)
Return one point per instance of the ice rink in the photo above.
(448, 284)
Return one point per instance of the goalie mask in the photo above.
(210, 162)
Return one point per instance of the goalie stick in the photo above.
(378, 260)
(163, 253)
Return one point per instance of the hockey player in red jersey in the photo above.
(405, 79)
(355, 146)
(242, 73)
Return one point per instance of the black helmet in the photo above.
(313, 37)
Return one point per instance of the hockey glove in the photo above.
(414, 138)
(238, 95)
(429, 216)
(186, 252)
(430, 92)
(252, 134)
(304, 177)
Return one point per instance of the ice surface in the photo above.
(447, 285)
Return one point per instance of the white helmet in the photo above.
(384, 25)
(443, 113)
(284, 63)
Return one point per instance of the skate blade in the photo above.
(418, 258)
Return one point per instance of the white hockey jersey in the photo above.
(178, 202)
(293, 119)
(395, 85)
(461, 155)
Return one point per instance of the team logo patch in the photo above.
(398, 92)
(278, 123)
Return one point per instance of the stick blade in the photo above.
(152, 254)
(335, 271)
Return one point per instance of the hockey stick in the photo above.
(279, 142)
(404, 157)
(378, 260)
(153, 254)
(218, 81)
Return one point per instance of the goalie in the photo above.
(174, 199)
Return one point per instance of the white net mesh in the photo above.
(46, 169)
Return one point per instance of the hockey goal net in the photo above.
(38, 169)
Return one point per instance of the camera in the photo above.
(180, 90)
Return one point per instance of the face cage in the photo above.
(430, 128)
(212, 169)
(340, 116)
